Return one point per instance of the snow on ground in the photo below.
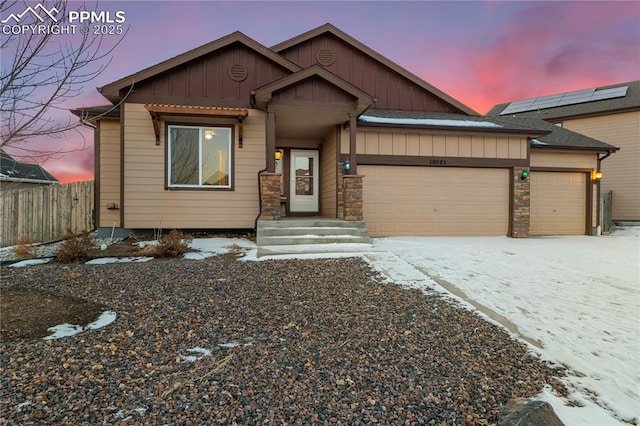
(575, 299)
(66, 330)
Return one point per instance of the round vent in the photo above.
(238, 72)
(325, 57)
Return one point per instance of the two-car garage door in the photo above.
(430, 201)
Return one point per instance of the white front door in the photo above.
(303, 184)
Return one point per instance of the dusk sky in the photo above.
(481, 53)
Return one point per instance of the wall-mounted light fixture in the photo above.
(524, 174)
(596, 175)
(75, 199)
(278, 154)
(347, 167)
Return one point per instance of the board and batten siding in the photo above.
(148, 204)
(328, 176)
(621, 173)
(384, 142)
(109, 169)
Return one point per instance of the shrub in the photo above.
(25, 249)
(74, 248)
(174, 244)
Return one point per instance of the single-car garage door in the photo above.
(558, 203)
(429, 201)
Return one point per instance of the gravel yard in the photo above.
(271, 342)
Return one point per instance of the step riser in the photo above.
(311, 232)
(275, 232)
(311, 223)
(290, 241)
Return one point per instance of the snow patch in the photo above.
(66, 330)
(427, 121)
(30, 262)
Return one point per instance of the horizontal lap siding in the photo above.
(109, 157)
(438, 145)
(328, 178)
(563, 159)
(430, 201)
(621, 173)
(149, 205)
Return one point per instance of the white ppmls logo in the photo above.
(34, 11)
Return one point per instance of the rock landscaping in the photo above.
(223, 341)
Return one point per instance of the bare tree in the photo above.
(42, 71)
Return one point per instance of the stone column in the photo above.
(271, 196)
(521, 206)
(352, 197)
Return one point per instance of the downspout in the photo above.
(598, 202)
(252, 101)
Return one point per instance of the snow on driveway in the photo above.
(575, 299)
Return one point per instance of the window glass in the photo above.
(200, 156)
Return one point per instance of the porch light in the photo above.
(278, 154)
(596, 175)
(347, 167)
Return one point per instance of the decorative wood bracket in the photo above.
(157, 111)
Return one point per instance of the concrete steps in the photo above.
(311, 235)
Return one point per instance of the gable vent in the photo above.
(238, 72)
(325, 57)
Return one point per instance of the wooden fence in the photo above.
(606, 207)
(46, 213)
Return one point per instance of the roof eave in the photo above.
(467, 129)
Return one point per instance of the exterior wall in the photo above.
(372, 142)
(392, 90)
(328, 176)
(208, 80)
(621, 173)
(109, 172)
(147, 202)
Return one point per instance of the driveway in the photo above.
(575, 300)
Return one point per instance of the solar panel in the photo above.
(563, 99)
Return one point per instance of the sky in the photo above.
(481, 53)
(589, 323)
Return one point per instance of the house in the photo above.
(234, 134)
(15, 174)
(607, 113)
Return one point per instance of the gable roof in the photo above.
(12, 170)
(264, 93)
(630, 101)
(328, 28)
(543, 133)
(112, 90)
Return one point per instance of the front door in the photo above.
(303, 183)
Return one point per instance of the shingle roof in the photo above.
(543, 133)
(630, 102)
(12, 170)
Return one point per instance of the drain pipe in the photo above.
(252, 101)
(598, 201)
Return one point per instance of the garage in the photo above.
(435, 201)
(558, 203)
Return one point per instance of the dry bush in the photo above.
(74, 248)
(173, 244)
(25, 249)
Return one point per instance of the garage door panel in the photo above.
(558, 203)
(403, 200)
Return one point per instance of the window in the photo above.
(199, 157)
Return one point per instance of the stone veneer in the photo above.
(521, 206)
(351, 196)
(271, 193)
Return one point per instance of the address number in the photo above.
(438, 162)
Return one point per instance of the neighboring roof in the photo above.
(111, 90)
(543, 133)
(15, 171)
(617, 100)
(328, 28)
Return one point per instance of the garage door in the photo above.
(558, 203)
(430, 201)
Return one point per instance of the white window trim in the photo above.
(200, 133)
